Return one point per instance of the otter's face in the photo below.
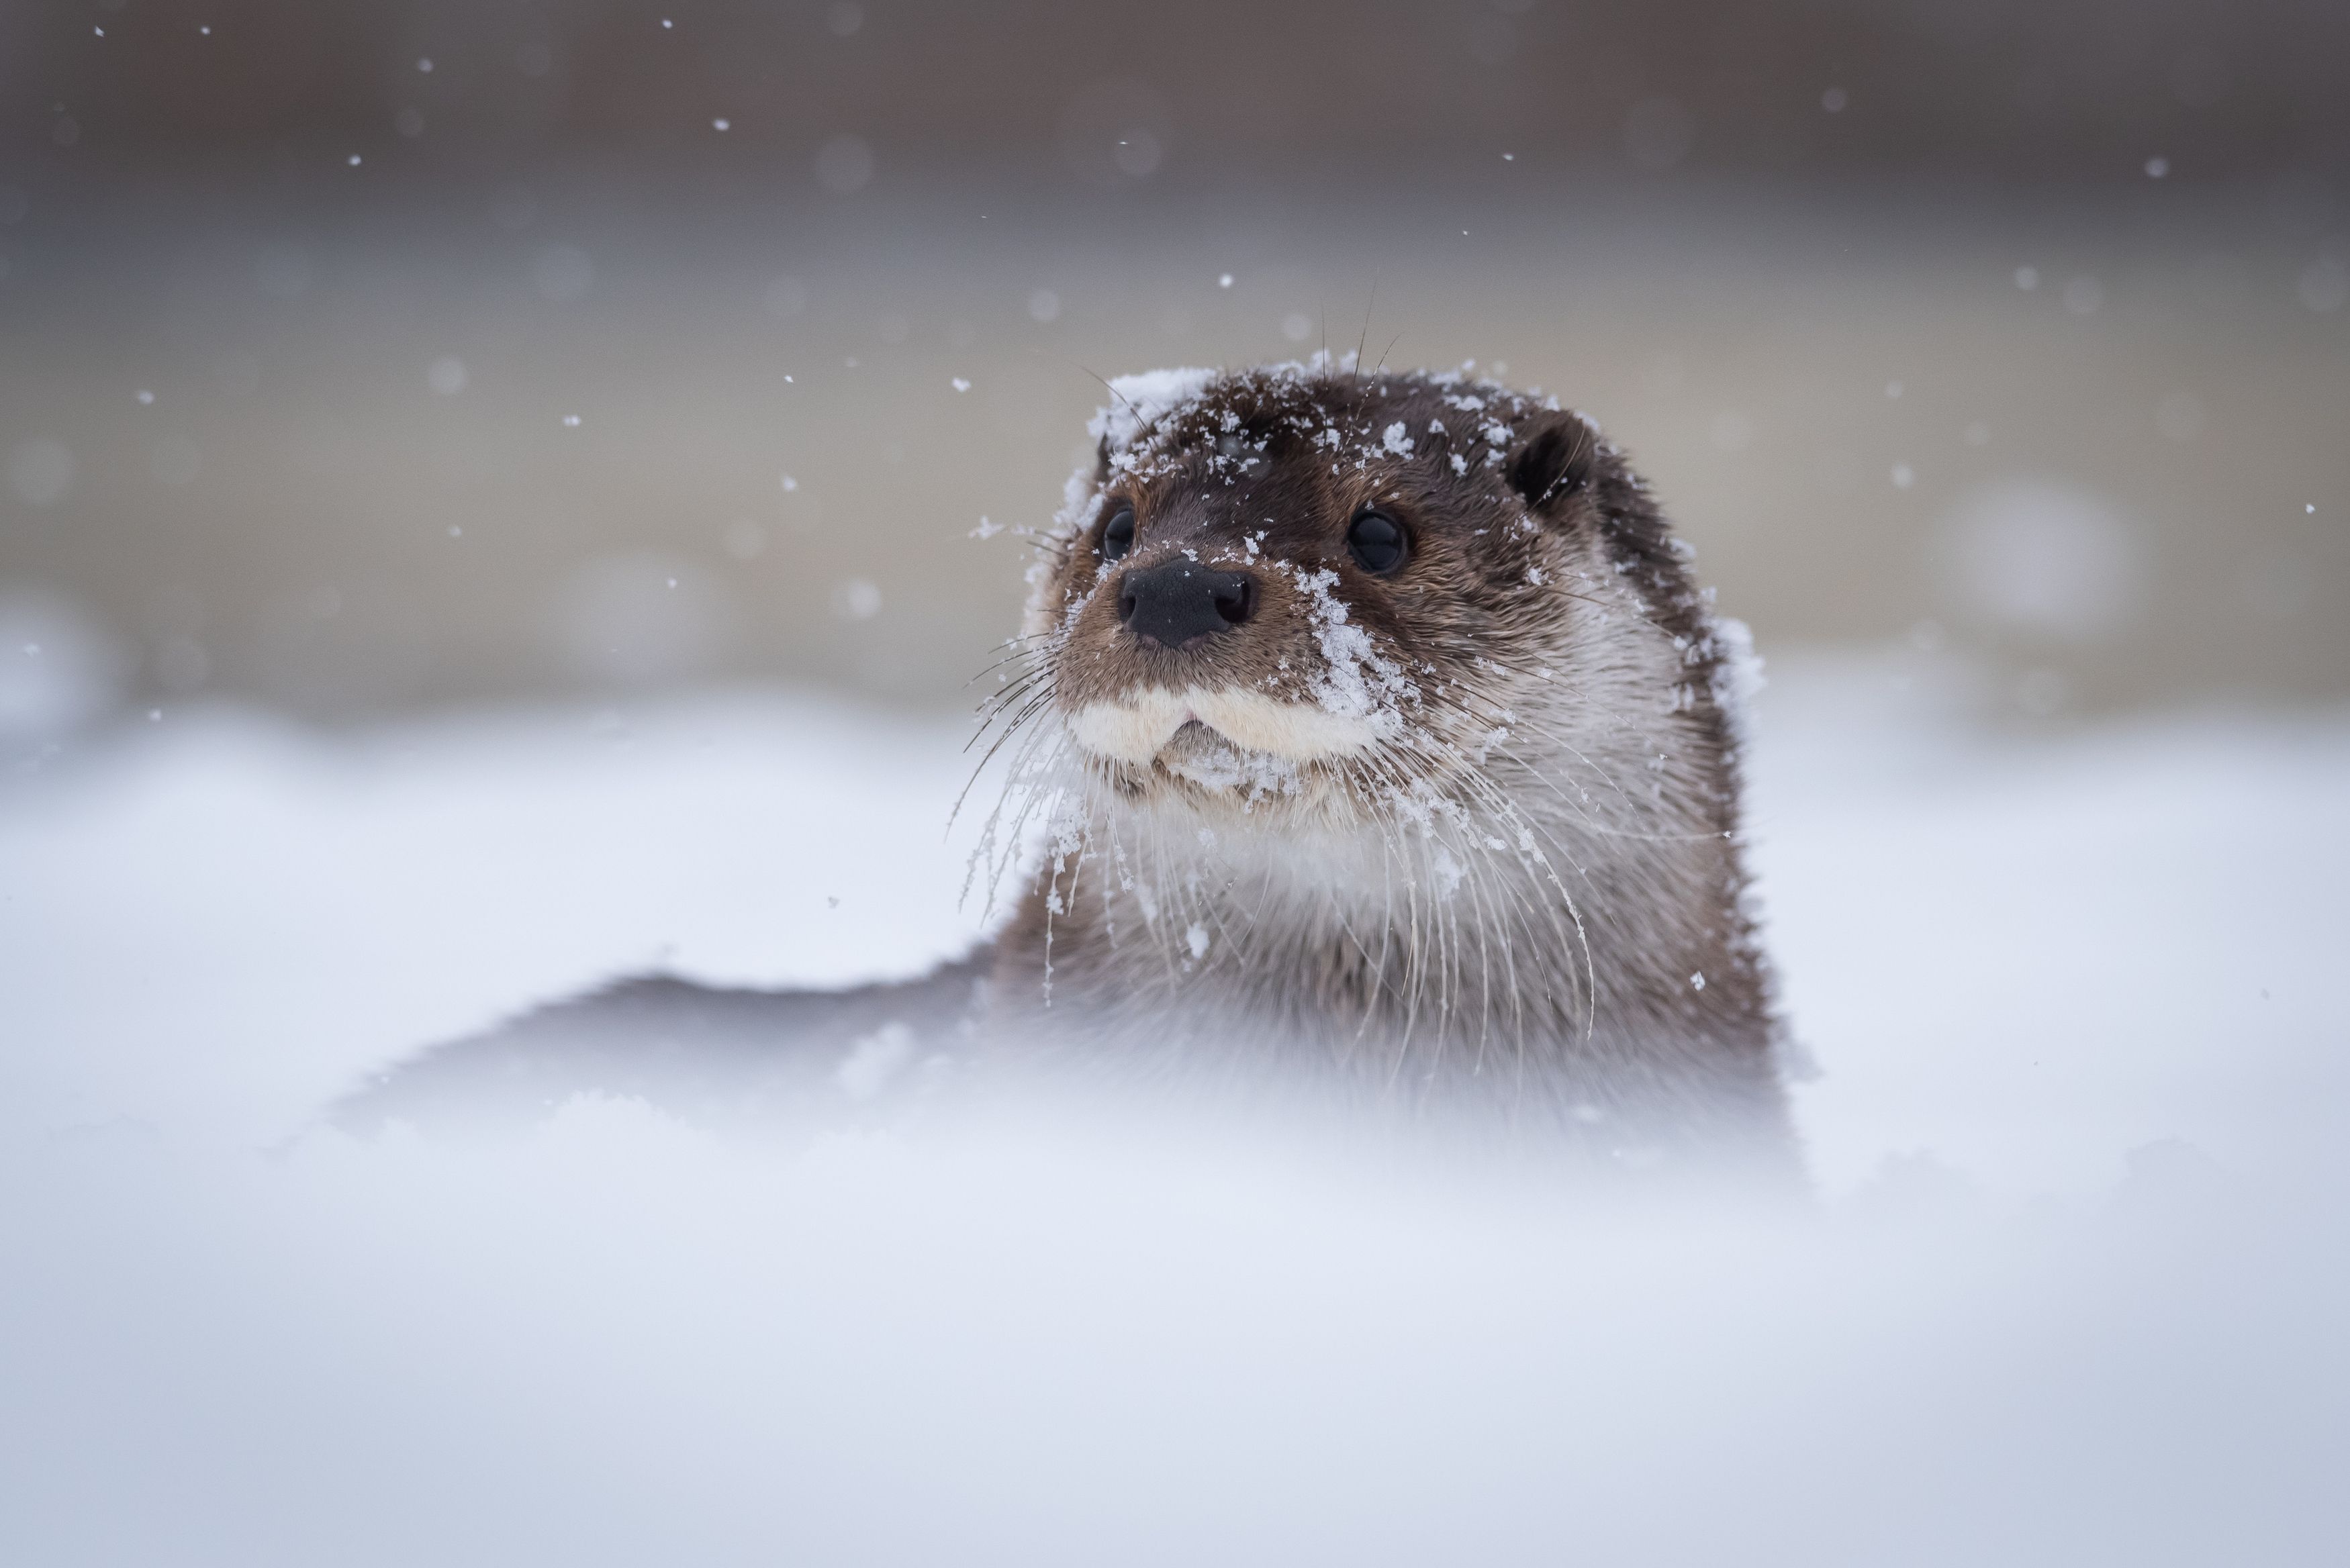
(1308, 592)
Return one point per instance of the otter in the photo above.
(1367, 736)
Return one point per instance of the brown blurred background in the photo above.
(358, 358)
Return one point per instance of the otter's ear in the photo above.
(1554, 461)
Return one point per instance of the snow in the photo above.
(1738, 679)
(1139, 401)
(1355, 682)
(2072, 1292)
(874, 1060)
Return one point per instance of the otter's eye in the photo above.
(1376, 540)
(1118, 534)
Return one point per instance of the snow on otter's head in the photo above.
(1306, 591)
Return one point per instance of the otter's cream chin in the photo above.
(1136, 728)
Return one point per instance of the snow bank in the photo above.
(2072, 1292)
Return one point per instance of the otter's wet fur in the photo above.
(1452, 837)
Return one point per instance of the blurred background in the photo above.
(363, 359)
(497, 494)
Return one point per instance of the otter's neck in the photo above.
(1452, 951)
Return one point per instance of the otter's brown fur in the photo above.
(1522, 889)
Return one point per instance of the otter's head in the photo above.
(1304, 595)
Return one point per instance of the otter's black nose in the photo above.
(1176, 603)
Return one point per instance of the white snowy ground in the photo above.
(2075, 1294)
